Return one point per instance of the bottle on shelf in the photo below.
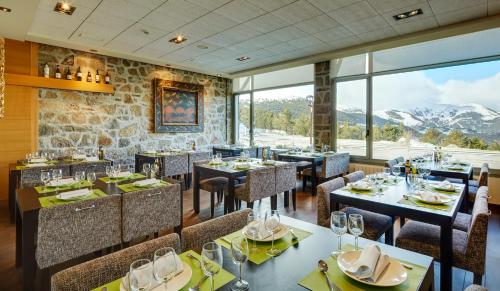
(58, 72)
(106, 78)
(68, 74)
(46, 71)
(79, 75)
(100, 153)
(97, 77)
(89, 77)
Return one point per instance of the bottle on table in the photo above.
(264, 154)
(79, 75)
(407, 169)
(97, 77)
(193, 146)
(58, 72)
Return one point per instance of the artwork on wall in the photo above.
(178, 106)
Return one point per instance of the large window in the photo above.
(243, 118)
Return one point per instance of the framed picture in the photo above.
(178, 106)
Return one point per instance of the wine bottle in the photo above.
(157, 168)
(79, 75)
(193, 146)
(100, 153)
(46, 71)
(89, 77)
(106, 78)
(68, 74)
(58, 72)
(97, 77)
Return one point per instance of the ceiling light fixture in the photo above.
(178, 39)
(408, 14)
(243, 58)
(5, 9)
(219, 75)
(145, 31)
(65, 8)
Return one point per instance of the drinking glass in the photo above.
(356, 227)
(272, 223)
(164, 264)
(253, 228)
(57, 175)
(91, 179)
(338, 224)
(427, 171)
(239, 251)
(387, 172)
(79, 177)
(413, 180)
(146, 168)
(45, 178)
(141, 275)
(211, 261)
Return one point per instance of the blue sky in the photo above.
(471, 72)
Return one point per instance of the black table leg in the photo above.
(28, 256)
(313, 179)
(446, 256)
(196, 190)
(13, 183)
(287, 199)
(389, 234)
(230, 195)
(19, 240)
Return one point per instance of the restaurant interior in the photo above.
(249, 145)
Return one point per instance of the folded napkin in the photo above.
(445, 185)
(262, 232)
(429, 196)
(37, 160)
(62, 182)
(370, 264)
(169, 265)
(146, 182)
(360, 185)
(74, 194)
(91, 159)
(37, 165)
(123, 174)
(79, 157)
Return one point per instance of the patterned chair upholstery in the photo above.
(393, 162)
(286, 180)
(469, 248)
(31, 177)
(194, 237)
(354, 177)
(475, 287)
(97, 272)
(463, 220)
(72, 230)
(197, 156)
(97, 167)
(175, 165)
(213, 185)
(150, 211)
(323, 203)
(260, 183)
(481, 181)
(333, 165)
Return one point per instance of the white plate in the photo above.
(444, 199)
(60, 196)
(283, 230)
(176, 283)
(394, 275)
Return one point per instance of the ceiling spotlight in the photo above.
(219, 75)
(5, 9)
(178, 39)
(64, 7)
(202, 46)
(167, 65)
(243, 58)
(408, 14)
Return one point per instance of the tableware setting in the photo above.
(257, 231)
(62, 182)
(430, 197)
(444, 186)
(242, 166)
(147, 183)
(360, 186)
(74, 195)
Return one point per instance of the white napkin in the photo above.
(362, 185)
(37, 160)
(370, 264)
(79, 157)
(262, 232)
(123, 174)
(170, 265)
(61, 182)
(91, 159)
(445, 185)
(146, 182)
(37, 165)
(74, 194)
(429, 196)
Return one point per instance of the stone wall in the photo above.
(121, 121)
(2, 77)
(322, 104)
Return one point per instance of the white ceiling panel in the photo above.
(281, 48)
(209, 4)
(287, 33)
(366, 25)
(305, 41)
(333, 34)
(378, 34)
(123, 9)
(442, 6)
(240, 10)
(330, 5)
(266, 23)
(404, 27)
(149, 52)
(460, 15)
(317, 24)
(207, 25)
(391, 5)
(269, 6)
(354, 12)
(297, 12)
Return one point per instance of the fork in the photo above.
(198, 285)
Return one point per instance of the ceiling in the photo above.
(219, 31)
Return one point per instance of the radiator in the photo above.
(368, 169)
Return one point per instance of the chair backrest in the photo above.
(97, 167)
(197, 156)
(483, 175)
(390, 163)
(260, 183)
(400, 159)
(149, 211)
(334, 165)
(354, 177)
(31, 176)
(72, 230)
(194, 237)
(100, 271)
(177, 164)
(323, 190)
(478, 232)
(286, 177)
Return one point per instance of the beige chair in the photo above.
(194, 237)
(463, 220)
(286, 180)
(332, 166)
(151, 211)
(323, 203)
(260, 183)
(475, 287)
(195, 157)
(482, 180)
(100, 271)
(469, 247)
(391, 163)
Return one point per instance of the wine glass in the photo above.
(253, 228)
(141, 275)
(356, 227)
(211, 261)
(413, 180)
(239, 251)
(271, 224)
(91, 179)
(427, 171)
(338, 224)
(146, 168)
(57, 175)
(164, 264)
(387, 172)
(79, 177)
(45, 178)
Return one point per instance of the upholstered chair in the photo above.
(175, 165)
(286, 180)
(333, 165)
(260, 183)
(100, 271)
(323, 203)
(469, 247)
(194, 237)
(354, 177)
(393, 162)
(463, 220)
(482, 180)
(195, 157)
(214, 185)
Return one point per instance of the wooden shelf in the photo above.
(41, 82)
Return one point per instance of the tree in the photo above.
(286, 121)
(475, 142)
(303, 125)
(495, 146)
(432, 136)
(392, 132)
(455, 137)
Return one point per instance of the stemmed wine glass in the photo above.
(239, 251)
(79, 177)
(413, 181)
(211, 261)
(141, 275)
(253, 229)
(57, 175)
(338, 224)
(45, 178)
(356, 227)
(272, 223)
(164, 264)
(91, 179)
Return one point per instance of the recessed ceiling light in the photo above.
(145, 31)
(201, 46)
(5, 9)
(64, 7)
(408, 14)
(243, 58)
(219, 75)
(167, 65)
(178, 39)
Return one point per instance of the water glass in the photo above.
(272, 223)
(57, 175)
(356, 227)
(146, 168)
(141, 275)
(239, 252)
(338, 224)
(413, 181)
(387, 172)
(79, 177)
(211, 261)
(45, 178)
(164, 264)
(253, 228)
(91, 179)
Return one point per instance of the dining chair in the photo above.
(69, 231)
(391, 163)
(194, 237)
(469, 247)
(97, 272)
(150, 211)
(333, 165)
(96, 167)
(195, 157)
(463, 220)
(260, 183)
(214, 185)
(31, 177)
(482, 180)
(376, 224)
(475, 287)
(176, 165)
(286, 181)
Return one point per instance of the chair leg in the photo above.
(402, 221)
(45, 274)
(239, 204)
(286, 199)
(294, 199)
(478, 279)
(212, 202)
(304, 182)
(274, 202)
(250, 205)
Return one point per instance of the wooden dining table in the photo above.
(26, 211)
(392, 203)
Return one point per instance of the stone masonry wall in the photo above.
(121, 121)
(322, 104)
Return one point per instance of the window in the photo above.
(243, 118)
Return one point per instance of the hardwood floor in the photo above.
(10, 277)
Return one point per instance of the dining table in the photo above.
(27, 206)
(395, 200)
(313, 158)
(235, 150)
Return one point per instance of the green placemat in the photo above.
(221, 279)
(259, 256)
(415, 202)
(24, 167)
(74, 186)
(121, 179)
(50, 201)
(212, 164)
(316, 280)
(131, 187)
(360, 192)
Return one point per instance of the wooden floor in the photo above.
(10, 277)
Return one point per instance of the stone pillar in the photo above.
(2, 77)
(322, 105)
